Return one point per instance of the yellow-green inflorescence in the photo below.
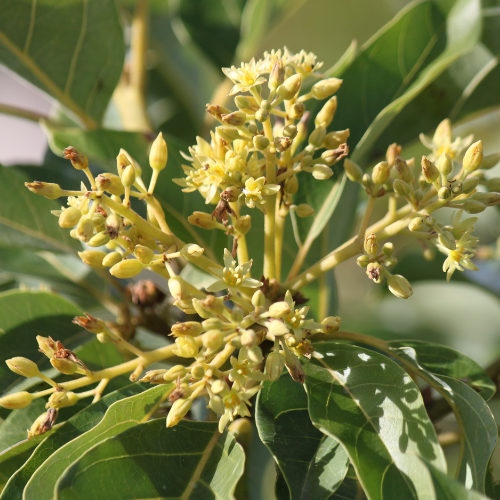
(251, 160)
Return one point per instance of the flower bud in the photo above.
(243, 224)
(289, 88)
(155, 376)
(261, 115)
(457, 188)
(213, 340)
(177, 371)
(189, 328)
(388, 248)
(277, 328)
(277, 76)
(416, 224)
(317, 136)
(401, 188)
(297, 111)
(219, 386)
(58, 399)
(203, 220)
(444, 193)
(217, 111)
(229, 134)
(260, 142)
(128, 176)
(363, 260)
(291, 185)
(470, 184)
(158, 155)
(69, 217)
(113, 225)
(275, 363)
(381, 173)
(303, 210)
(99, 240)
(282, 144)
(429, 220)
(216, 404)
(278, 309)
(143, 254)
(241, 102)
(327, 112)
(489, 199)
(429, 170)
(236, 118)
(399, 286)
(112, 259)
(473, 157)
(47, 189)
(84, 229)
(325, 88)
(294, 367)
(321, 172)
(489, 161)
(334, 139)
(78, 160)
(126, 269)
(185, 347)
(46, 345)
(178, 411)
(110, 183)
(198, 371)
(64, 365)
(403, 170)
(191, 252)
(23, 366)
(371, 244)
(446, 239)
(16, 401)
(331, 324)
(306, 160)
(258, 299)
(444, 164)
(366, 181)
(290, 131)
(91, 324)
(353, 171)
(474, 207)
(92, 258)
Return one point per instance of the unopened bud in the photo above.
(277, 328)
(64, 365)
(493, 184)
(258, 299)
(47, 189)
(444, 164)
(457, 188)
(303, 210)
(110, 183)
(363, 260)
(143, 254)
(16, 401)
(446, 239)
(381, 173)
(282, 144)
(277, 75)
(78, 160)
(403, 169)
(198, 371)
(327, 112)
(489, 199)
(371, 244)
(92, 258)
(331, 324)
(236, 118)
(69, 217)
(23, 366)
(416, 224)
(203, 220)
(392, 151)
(290, 131)
(155, 376)
(279, 309)
(489, 161)
(217, 111)
(297, 111)
(444, 193)
(185, 347)
(261, 115)
(243, 224)
(473, 157)
(275, 363)
(429, 220)
(353, 171)
(325, 88)
(317, 136)
(177, 371)
(260, 142)
(399, 286)
(91, 324)
(46, 345)
(58, 399)
(158, 155)
(470, 184)
(84, 229)
(189, 328)
(113, 225)
(429, 170)
(126, 269)
(128, 176)
(334, 139)
(289, 88)
(474, 207)
(366, 181)
(178, 411)
(291, 185)
(191, 252)
(248, 338)
(321, 172)
(219, 386)
(241, 102)
(401, 188)
(229, 134)
(112, 259)
(294, 367)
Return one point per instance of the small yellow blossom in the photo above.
(442, 142)
(255, 190)
(245, 77)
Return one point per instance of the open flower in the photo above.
(442, 142)
(244, 77)
(232, 276)
(255, 190)
(304, 62)
(236, 403)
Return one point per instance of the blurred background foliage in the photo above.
(189, 41)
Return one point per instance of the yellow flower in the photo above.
(255, 189)
(245, 77)
(304, 63)
(232, 276)
(442, 142)
(236, 403)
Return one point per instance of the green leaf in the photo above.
(448, 489)
(74, 50)
(120, 416)
(191, 460)
(375, 410)
(443, 360)
(69, 430)
(25, 218)
(23, 316)
(474, 417)
(313, 465)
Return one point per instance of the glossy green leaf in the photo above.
(191, 460)
(369, 404)
(474, 417)
(448, 489)
(73, 50)
(120, 416)
(25, 218)
(313, 464)
(442, 360)
(69, 430)
(23, 316)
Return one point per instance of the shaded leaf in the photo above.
(375, 410)
(120, 416)
(312, 464)
(474, 417)
(76, 425)
(25, 218)
(74, 51)
(191, 460)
